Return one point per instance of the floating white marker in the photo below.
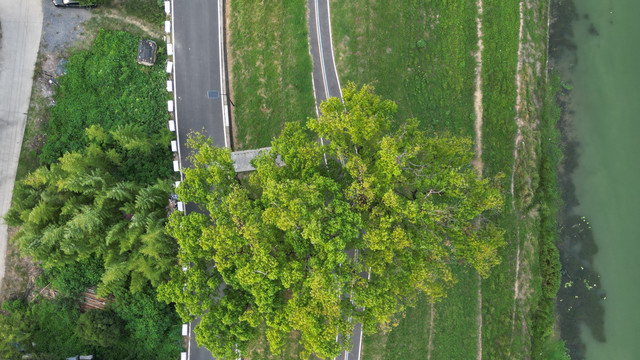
(170, 105)
(185, 329)
(177, 183)
(169, 86)
(167, 7)
(180, 206)
(172, 125)
(167, 26)
(169, 64)
(176, 165)
(170, 49)
(174, 146)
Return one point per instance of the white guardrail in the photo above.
(172, 124)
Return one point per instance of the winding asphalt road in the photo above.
(21, 23)
(200, 89)
(326, 84)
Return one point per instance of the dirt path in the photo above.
(433, 315)
(477, 161)
(153, 31)
(477, 95)
(518, 141)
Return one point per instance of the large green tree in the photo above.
(82, 207)
(287, 248)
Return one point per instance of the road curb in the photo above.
(224, 86)
(183, 355)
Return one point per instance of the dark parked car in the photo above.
(72, 4)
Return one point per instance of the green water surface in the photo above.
(606, 98)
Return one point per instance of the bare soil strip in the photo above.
(130, 20)
(433, 315)
(518, 140)
(477, 95)
(477, 161)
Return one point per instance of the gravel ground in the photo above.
(61, 27)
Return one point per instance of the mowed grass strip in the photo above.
(410, 340)
(417, 53)
(501, 22)
(271, 69)
(455, 328)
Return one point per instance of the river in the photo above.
(596, 49)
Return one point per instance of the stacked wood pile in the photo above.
(91, 301)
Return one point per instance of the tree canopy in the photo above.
(83, 207)
(353, 227)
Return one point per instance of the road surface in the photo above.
(198, 75)
(200, 89)
(21, 23)
(326, 84)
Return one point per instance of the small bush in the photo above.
(99, 328)
(73, 279)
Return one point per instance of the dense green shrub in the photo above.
(83, 210)
(105, 86)
(74, 278)
(544, 344)
(554, 350)
(52, 324)
(148, 321)
(99, 328)
(56, 329)
(98, 213)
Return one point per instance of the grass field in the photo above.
(501, 22)
(417, 53)
(270, 69)
(420, 54)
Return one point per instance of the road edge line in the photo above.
(223, 78)
(333, 57)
